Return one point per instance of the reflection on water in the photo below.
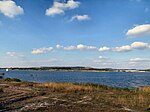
(115, 79)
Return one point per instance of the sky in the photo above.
(91, 33)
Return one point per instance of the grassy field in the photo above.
(66, 97)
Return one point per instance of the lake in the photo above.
(115, 79)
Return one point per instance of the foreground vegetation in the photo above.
(66, 97)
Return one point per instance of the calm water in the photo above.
(114, 79)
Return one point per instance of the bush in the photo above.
(12, 80)
(1, 77)
(1, 90)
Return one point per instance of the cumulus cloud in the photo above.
(59, 46)
(124, 48)
(140, 45)
(140, 30)
(85, 47)
(80, 47)
(41, 50)
(127, 48)
(10, 9)
(70, 48)
(80, 17)
(104, 48)
(59, 8)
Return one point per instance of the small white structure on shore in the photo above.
(7, 70)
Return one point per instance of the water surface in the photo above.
(115, 79)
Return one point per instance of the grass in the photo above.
(134, 99)
(145, 89)
(131, 98)
(64, 87)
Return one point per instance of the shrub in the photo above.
(1, 90)
(12, 80)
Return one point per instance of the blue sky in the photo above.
(95, 33)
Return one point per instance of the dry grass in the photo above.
(136, 98)
(100, 95)
(145, 89)
(113, 96)
(65, 87)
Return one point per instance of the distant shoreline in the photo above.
(78, 70)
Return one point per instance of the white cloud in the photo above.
(59, 8)
(103, 57)
(140, 30)
(85, 47)
(41, 50)
(14, 54)
(139, 45)
(10, 9)
(80, 47)
(139, 59)
(70, 48)
(125, 48)
(104, 48)
(59, 46)
(80, 17)
(71, 4)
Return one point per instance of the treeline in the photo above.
(77, 68)
(61, 68)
